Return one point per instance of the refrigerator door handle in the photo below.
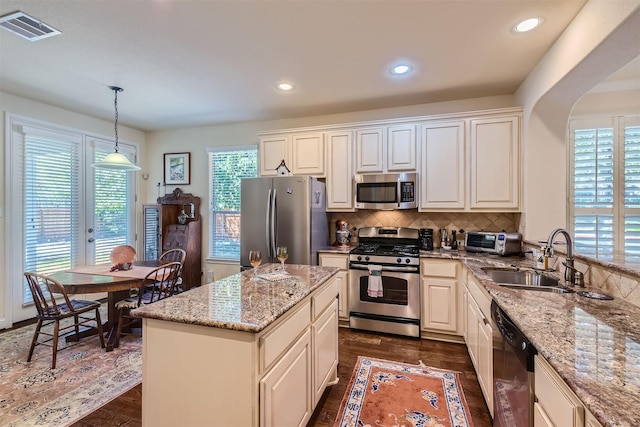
(267, 227)
(274, 222)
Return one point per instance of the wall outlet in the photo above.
(208, 277)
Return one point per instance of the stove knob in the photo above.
(366, 258)
(407, 260)
(359, 258)
(399, 260)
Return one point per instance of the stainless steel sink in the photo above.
(553, 289)
(525, 280)
(516, 277)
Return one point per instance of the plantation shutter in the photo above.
(632, 189)
(227, 167)
(112, 204)
(593, 191)
(605, 163)
(51, 202)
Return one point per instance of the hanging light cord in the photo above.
(116, 89)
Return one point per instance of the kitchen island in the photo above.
(242, 351)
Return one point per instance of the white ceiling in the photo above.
(199, 62)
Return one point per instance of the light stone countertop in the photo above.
(240, 302)
(594, 345)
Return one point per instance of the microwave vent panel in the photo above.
(27, 26)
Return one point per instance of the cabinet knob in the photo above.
(91, 240)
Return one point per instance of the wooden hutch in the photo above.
(163, 231)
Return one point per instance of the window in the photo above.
(227, 167)
(63, 212)
(605, 187)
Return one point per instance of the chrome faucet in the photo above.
(570, 271)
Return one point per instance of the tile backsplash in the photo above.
(492, 221)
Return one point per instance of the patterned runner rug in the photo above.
(385, 393)
(86, 378)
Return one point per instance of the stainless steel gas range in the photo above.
(384, 281)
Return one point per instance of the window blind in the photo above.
(227, 167)
(112, 225)
(51, 203)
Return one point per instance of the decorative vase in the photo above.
(182, 218)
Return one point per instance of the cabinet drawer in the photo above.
(555, 398)
(480, 295)
(322, 299)
(432, 268)
(275, 342)
(340, 261)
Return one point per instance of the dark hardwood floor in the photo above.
(126, 410)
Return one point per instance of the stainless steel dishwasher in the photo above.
(512, 373)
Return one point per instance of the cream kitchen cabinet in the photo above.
(555, 404)
(479, 333)
(439, 295)
(494, 162)
(340, 171)
(303, 153)
(442, 174)
(342, 277)
(286, 390)
(386, 149)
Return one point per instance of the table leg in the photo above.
(112, 323)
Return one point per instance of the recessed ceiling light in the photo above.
(400, 69)
(527, 25)
(285, 86)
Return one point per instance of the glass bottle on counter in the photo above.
(454, 240)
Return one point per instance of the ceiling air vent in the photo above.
(27, 26)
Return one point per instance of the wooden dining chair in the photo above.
(160, 283)
(176, 255)
(45, 290)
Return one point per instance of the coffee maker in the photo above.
(426, 239)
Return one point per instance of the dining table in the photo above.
(90, 279)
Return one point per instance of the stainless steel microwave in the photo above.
(386, 191)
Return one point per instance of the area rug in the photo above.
(86, 378)
(385, 393)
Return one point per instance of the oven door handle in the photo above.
(404, 268)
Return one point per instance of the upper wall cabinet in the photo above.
(401, 148)
(442, 165)
(370, 144)
(340, 171)
(272, 150)
(494, 155)
(303, 153)
(386, 148)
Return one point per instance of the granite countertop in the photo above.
(594, 345)
(240, 302)
(337, 249)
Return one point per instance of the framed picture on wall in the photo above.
(177, 168)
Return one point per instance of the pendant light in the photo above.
(116, 160)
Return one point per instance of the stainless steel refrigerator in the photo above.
(283, 211)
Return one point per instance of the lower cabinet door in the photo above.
(540, 418)
(325, 345)
(285, 391)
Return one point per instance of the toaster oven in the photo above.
(493, 243)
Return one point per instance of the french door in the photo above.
(63, 212)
